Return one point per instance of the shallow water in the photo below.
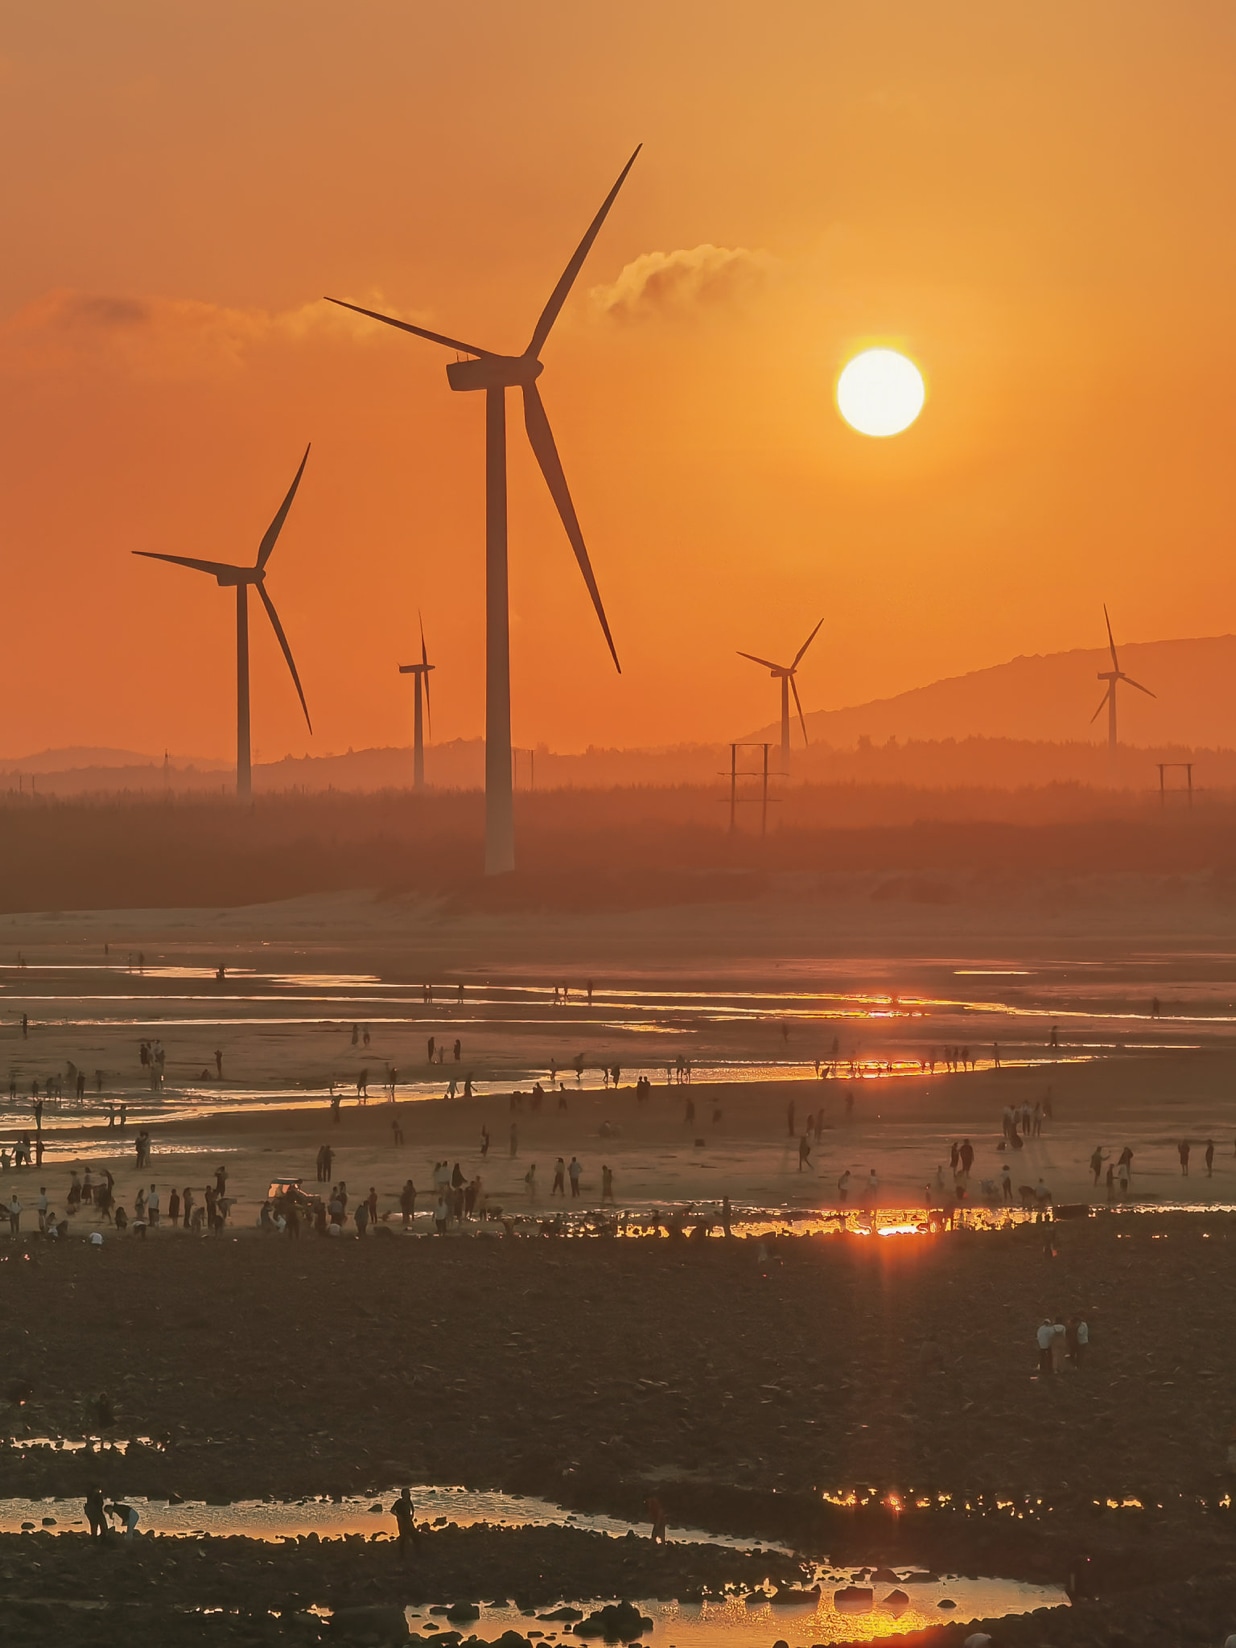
(729, 1623)
(734, 1623)
(333, 1517)
(889, 1020)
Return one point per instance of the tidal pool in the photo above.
(732, 1622)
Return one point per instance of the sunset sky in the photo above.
(1036, 204)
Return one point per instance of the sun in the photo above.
(880, 392)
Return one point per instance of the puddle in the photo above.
(732, 1622)
(332, 1518)
(735, 1623)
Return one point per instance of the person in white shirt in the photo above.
(1044, 1339)
(14, 1215)
(40, 1207)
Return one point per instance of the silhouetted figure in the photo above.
(404, 1513)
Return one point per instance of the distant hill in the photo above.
(86, 757)
(1051, 697)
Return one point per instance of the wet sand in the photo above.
(743, 1382)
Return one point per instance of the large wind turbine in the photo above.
(241, 578)
(495, 374)
(420, 672)
(785, 674)
(1111, 676)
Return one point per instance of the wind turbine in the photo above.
(241, 578)
(785, 674)
(495, 374)
(1111, 676)
(421, 674)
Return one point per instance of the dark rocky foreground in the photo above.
(593, 1371)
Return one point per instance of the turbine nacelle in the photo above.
(494, 372)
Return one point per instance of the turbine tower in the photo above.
(785, 674)
(241, 578)
(495, 374)
(420, 673)
(1111, 676)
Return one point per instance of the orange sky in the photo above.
(1036, 203)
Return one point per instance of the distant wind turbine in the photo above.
(241, 578)
(495, 374)
(1111, 676)
(785, 674)
(421, 674)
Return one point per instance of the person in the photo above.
(804, 1152)
(1096, 1162)
(125, 1517)
(14, 1215)
(407, 1203)
(40, 1207)
(1043, 1338)
(96, 1521)
(967, 1157)
(152, 1206)
(1006, 1183)
(1182, 1150)
(173, 1208)
(656, 1515)
(186, 1203)
(362, 1217)
(573, 1173)
(843, 1187)
(1059, 1339)
(558, 1188)
(607, 1184)
(1081, 1340)
(1210, 1158)
(404, 1513)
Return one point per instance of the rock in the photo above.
(946, 1602)
(896, 1599)
(373, 1623)
(884, 1576)
(619, 1622)
(462, 1612)
(854, 1597)
(563, 1613)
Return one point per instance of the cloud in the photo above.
(163, 338)
(685, 282)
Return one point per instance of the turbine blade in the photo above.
(407, 326)
(421, 622)
(428, 709)
(281, 514)
(802, 719)
(213, 567)
(287, 651)
(798, 656)
(767, 663)
(1102, 706)
(1139, 686)
(559, 294)
(1110, 642)
(541, 437)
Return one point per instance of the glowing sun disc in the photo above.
(880, 392)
